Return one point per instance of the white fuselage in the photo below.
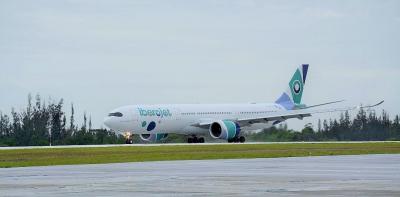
(181, 118)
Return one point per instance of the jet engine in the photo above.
(224, 129)
(153, 137)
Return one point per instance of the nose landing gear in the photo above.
(128, 141)
(128, 138)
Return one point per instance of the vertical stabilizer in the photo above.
(291, 98)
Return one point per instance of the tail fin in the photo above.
(291, 98)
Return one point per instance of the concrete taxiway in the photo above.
(363, 175)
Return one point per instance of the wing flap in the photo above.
(277, 116)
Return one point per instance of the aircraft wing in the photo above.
(284, 115)
(322, 104)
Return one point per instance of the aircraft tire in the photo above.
(201, 140)
(128, 141)
(242, 139)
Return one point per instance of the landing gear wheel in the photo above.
(242, 139)
(194, 139)
(201, 140)
(128, 141)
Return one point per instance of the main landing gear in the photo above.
(240, 139)
(195, 139)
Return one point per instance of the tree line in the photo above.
(365, 126)
(45, 123)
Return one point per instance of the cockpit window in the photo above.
(116, 114)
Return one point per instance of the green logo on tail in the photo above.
(296, 87)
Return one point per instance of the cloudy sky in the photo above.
(104, 54)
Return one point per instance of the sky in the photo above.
(100, 55)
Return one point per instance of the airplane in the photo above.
(227, 122)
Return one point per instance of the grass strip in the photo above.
(72, 156)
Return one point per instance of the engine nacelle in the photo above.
(153, 137)
(224, 129)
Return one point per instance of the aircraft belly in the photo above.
(191, 130)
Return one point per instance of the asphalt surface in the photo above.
(363, 175)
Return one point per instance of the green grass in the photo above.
(69, 156)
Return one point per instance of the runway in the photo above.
(363, 175)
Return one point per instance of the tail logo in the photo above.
(296, 87)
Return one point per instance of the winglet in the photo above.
(370, 106)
